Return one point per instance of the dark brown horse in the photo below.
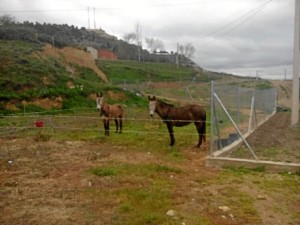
(179, 116)
(108, 112)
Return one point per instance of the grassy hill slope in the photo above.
(26, 76)
(39, 77)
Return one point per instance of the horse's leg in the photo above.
(204, 131)
(117, 125)
(171, 133)
(200, 126)
(121, 123)
(106, 126)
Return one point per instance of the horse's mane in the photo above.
(165, 103)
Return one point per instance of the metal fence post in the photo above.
(234, 124)
(238, 106)
(212, 117)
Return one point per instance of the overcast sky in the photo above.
(239, 36)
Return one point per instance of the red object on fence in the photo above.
(39, 123)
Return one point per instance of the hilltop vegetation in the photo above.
(64, 35)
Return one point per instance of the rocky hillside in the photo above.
(70, 56)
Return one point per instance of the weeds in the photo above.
(103, 172)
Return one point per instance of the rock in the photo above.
(171, 213)
(224, 208)
(261, 197)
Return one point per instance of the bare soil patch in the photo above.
(47, 182)
(275, 140)
(71, 56)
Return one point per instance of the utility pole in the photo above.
(88, 17)
(94, 19)
(177, 59)
(295, 90)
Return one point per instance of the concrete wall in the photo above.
(93, 52)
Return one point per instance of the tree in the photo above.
(138, 38)
(7, 19)
(154, 44)
(129, 37)
(187, 50)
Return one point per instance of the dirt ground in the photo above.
(275, 140)
(45, 182)
(72, 55)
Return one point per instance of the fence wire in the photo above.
(236, 111)
(92, 122)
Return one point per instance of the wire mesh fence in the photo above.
(89, 126)
(236, 111)
(190, 90)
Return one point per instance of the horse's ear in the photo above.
(151, 99)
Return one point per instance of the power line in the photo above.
(239, 22)
(247, 18)
(40, 10)
(119, 8)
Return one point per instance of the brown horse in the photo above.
(179, 116)
(108, 112)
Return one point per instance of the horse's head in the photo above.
(152, 105)
(99, 100)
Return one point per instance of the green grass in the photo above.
(102, 172)
(132, 72)
(138, 130)
(141, 206)
(146, 204)
(243, 170)
(127, 169)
